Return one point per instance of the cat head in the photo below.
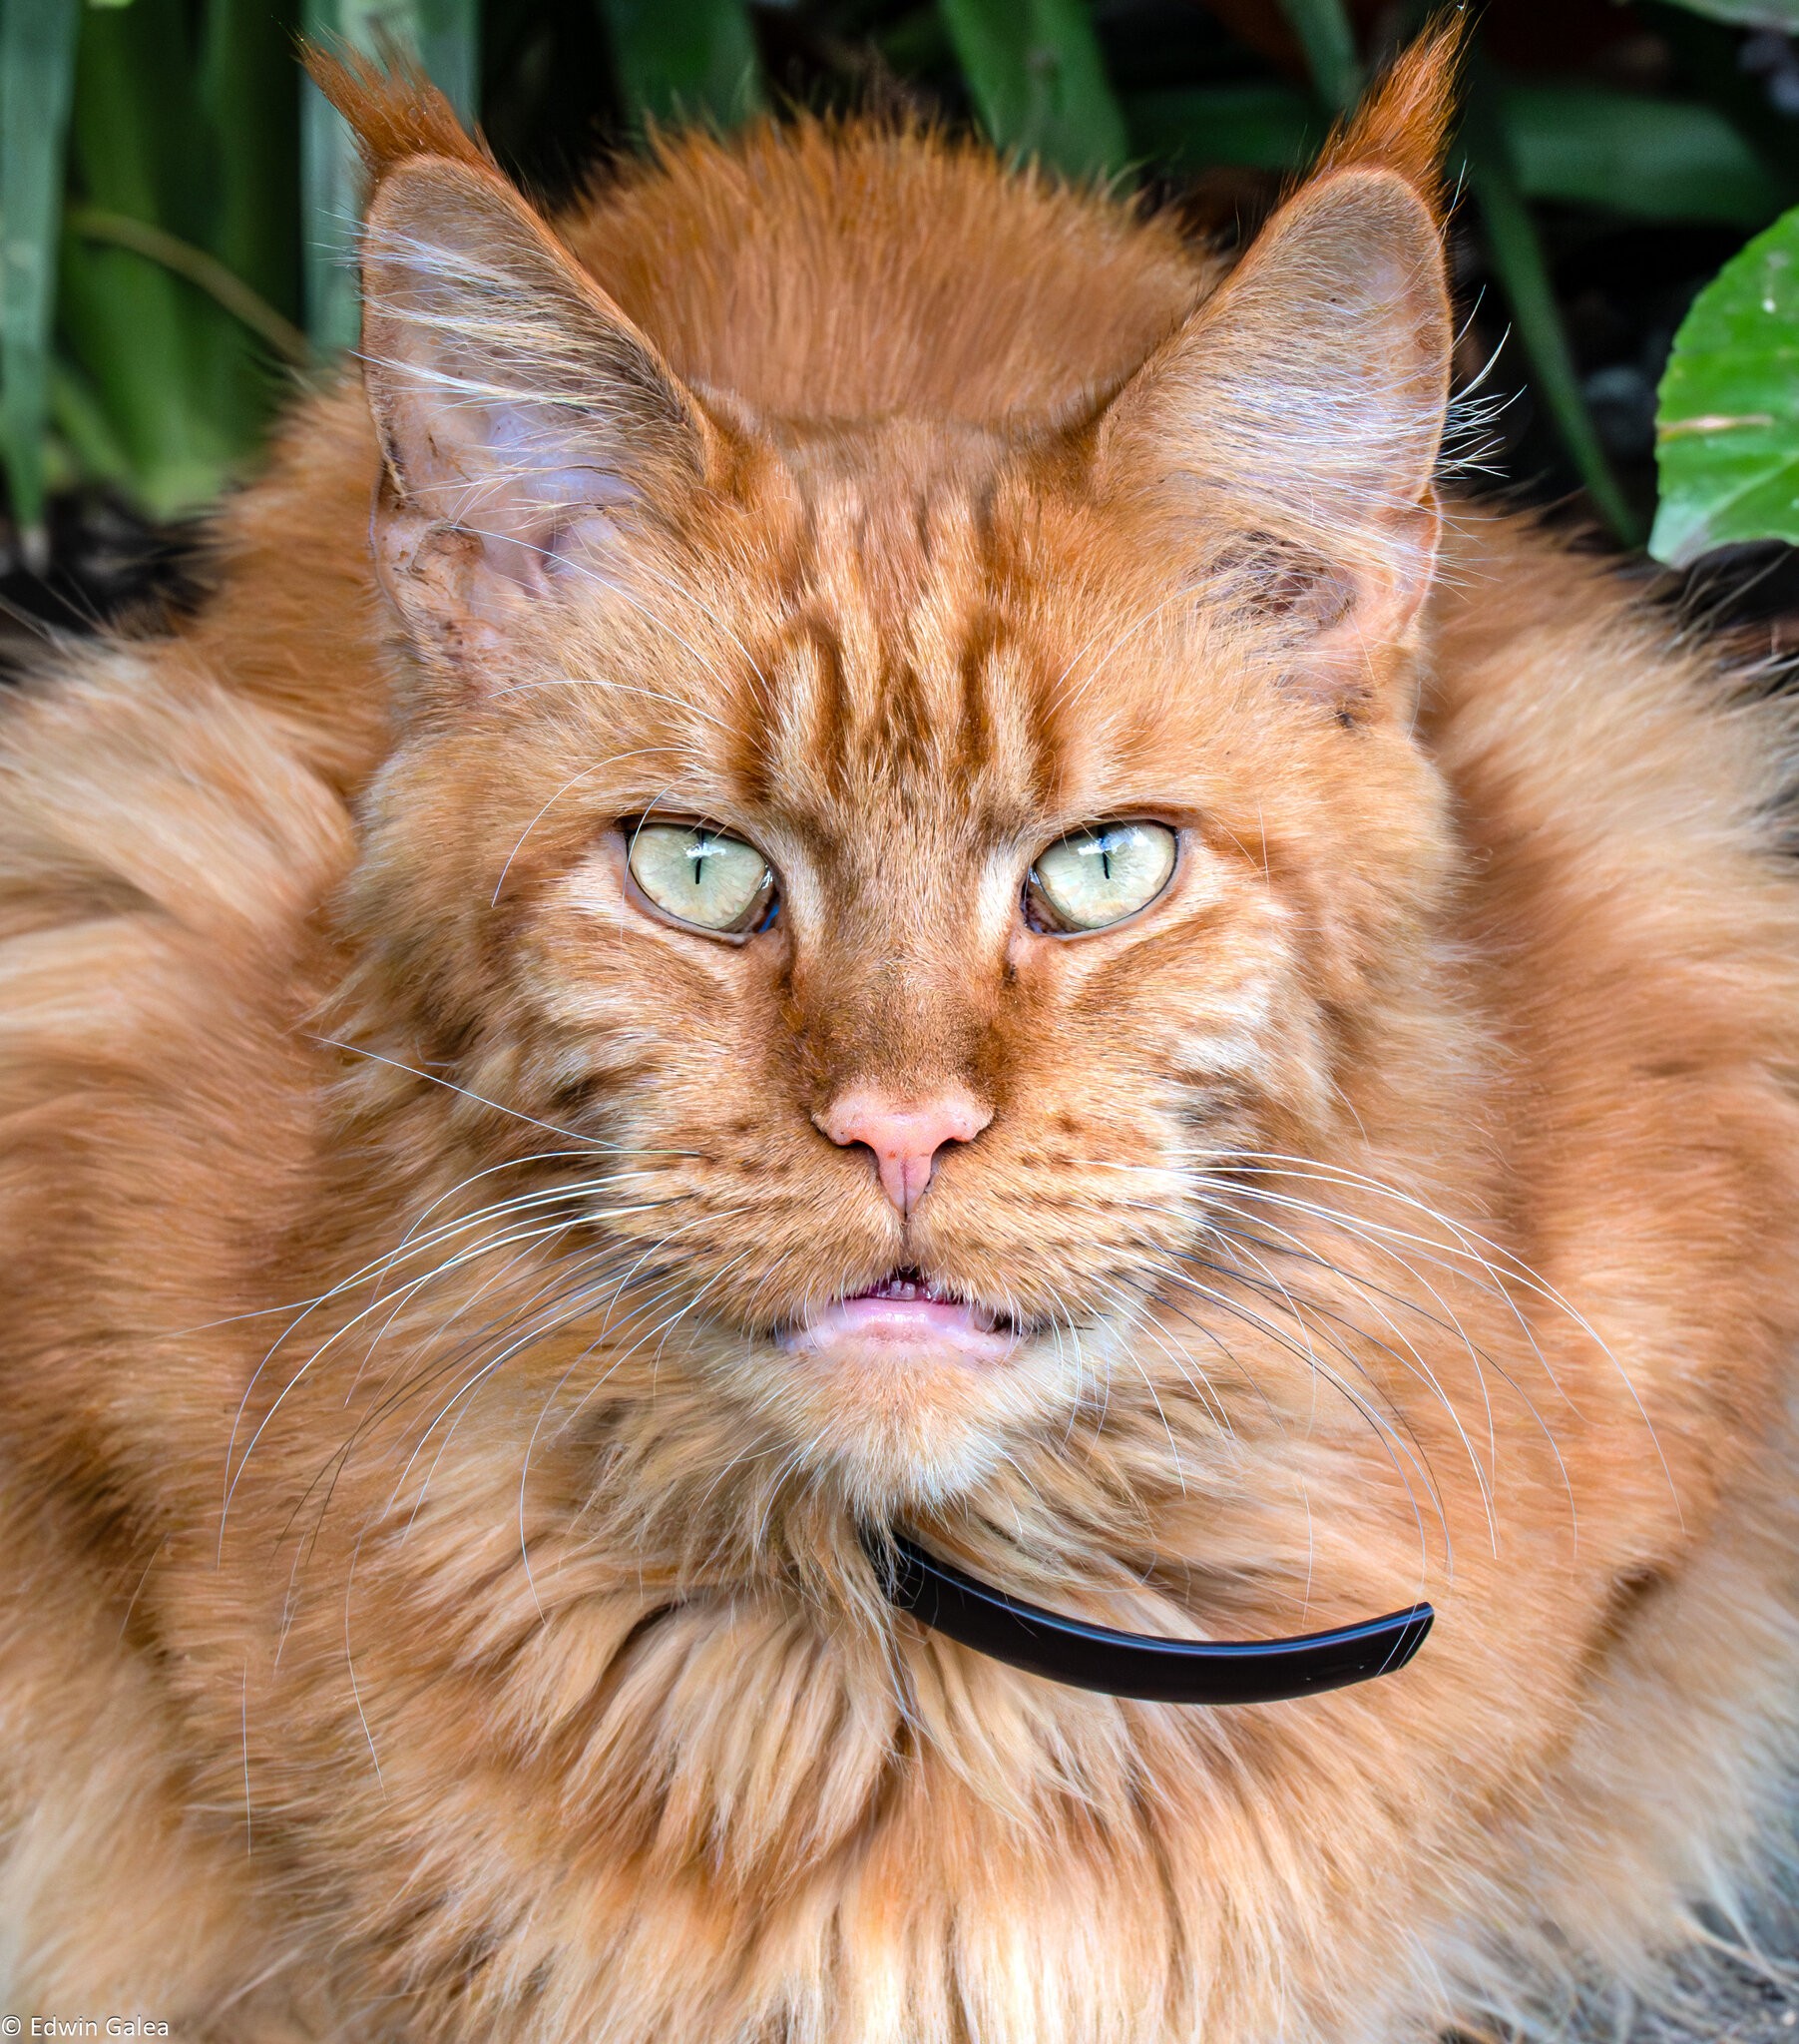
(919, 855)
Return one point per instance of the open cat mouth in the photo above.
(908, 1287)
(905, 1316)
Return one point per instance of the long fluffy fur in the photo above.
(432, 1607)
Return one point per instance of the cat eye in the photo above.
(701, 876)
(1098, 875)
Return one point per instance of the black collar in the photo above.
(1138, 1664)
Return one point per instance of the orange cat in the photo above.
(914, 883)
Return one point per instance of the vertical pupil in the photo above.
(702, 844)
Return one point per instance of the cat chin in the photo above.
(897, 1423)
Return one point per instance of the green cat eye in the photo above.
(1098, 875)
(698, 875)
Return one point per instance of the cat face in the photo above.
(927, 855)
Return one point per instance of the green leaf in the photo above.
(37, 76)
(1037, 82)
(85, 427)
(1656, 158)
(684, 60)
(445, 36)
(162, 359)
(1582, 145)
(1261, 127)
(1727, 436)
(1780, 14)
(251, 92)
(1328, 40)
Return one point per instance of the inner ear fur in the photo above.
(1291, 427)
(523, 421)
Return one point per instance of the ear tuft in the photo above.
(393, 109)
(1403, 124)
(1290, 429)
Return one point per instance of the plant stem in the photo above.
(205, 272)
(1518, 258)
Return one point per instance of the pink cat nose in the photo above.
(904, 1136)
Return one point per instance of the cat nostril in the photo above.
(904, 1135)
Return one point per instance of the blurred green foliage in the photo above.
(1034, 73)
(177, 207)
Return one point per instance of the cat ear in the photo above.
(525, 422)
(1292, 426)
